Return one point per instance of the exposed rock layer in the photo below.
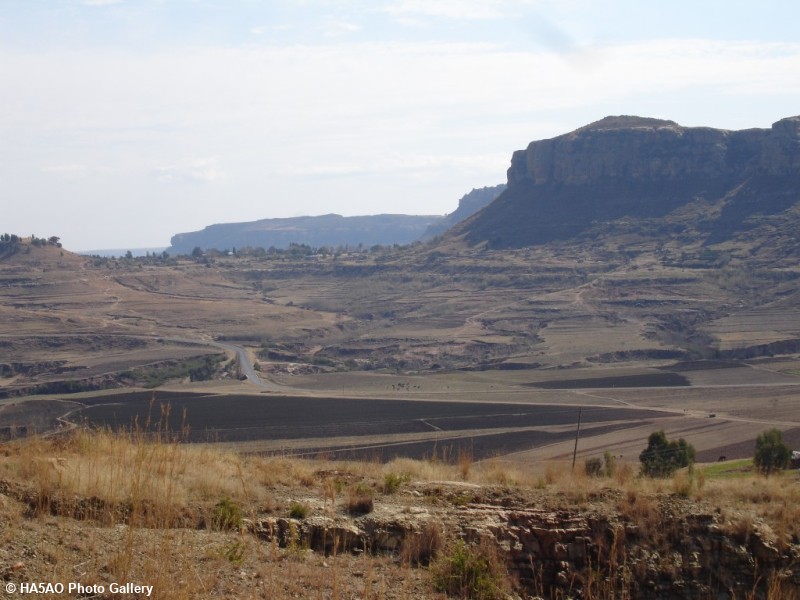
(632, 167)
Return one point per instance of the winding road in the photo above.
(241, 355)
(245, 365)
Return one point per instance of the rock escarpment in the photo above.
(640, 168)
(317, 231)
(658, 550)
(468, 205)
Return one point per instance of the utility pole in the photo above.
(577, 435)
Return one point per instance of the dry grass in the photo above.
(140, 505)
(142, 490)
(774, 501)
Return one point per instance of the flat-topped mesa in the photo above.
(641, 178)
(645, 149)
(780, 151)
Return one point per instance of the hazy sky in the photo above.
(123, 122)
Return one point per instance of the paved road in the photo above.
(244, 361)
(244, 364)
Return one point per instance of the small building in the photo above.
(795, 461)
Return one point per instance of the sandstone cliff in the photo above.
(468, 205)
(640, 168)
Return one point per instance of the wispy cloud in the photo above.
(449, 9)
(398, 164)
(201, 170)
(74, 171)
(100, 2)
(334, 126)
(339, 27)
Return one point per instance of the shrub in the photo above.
(771, 453)
(662, 458)
(597, 467)
(467, 571)
(609, 463)
(227, 515)
(234, 552)
(392, 482)
(420, 548)
(360, 502)
(298, 510)
(593, 467)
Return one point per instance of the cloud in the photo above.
(395, 163)
(341, 127)
(74, 172)
(100, 2)
(451, 9)
(202, 170)
(339, 27)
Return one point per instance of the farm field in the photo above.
(403, 352)
(379, 429)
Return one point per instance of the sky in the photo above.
(124, 122)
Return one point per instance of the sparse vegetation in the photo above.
(597, 467)
(392, 482)
(466, 571)
(421, 547)
(593, 467)
(164, 492)
(298, 510)
(201, 368)
(360, 501)
(227, 515)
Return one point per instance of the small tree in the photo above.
(771, 453)
(662, 458)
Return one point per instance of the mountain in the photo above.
(641, 178)
(324, 230)
(468, 205)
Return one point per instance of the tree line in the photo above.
(663, 457)
(10, 243)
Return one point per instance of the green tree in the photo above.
(662, 458)
(771, 453)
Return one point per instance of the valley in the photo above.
(633, 266)
(520, 335)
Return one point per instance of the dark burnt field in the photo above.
(622, 381)
(239, 418)
(448, 449)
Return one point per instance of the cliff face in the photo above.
(640, 168)
(468, 205)
(640, 149)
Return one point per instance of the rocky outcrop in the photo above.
(641, 149)
(652, 551)
(639, 168)
(468, 205)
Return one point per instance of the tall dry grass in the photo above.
(148, 494)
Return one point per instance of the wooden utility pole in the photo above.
(577, 435)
